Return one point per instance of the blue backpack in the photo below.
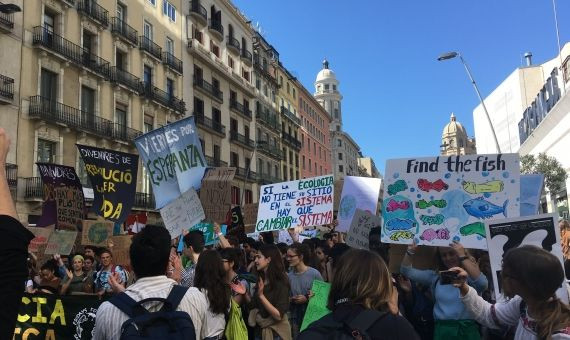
(167, 323)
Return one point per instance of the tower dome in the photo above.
(326, 74)
(454, 127)
(454, 139)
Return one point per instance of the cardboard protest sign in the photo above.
(64, 203)
(359, 231)
(47, 316)
(96, 233)
(304, 203)
(216, 193)
(437, 200)
(41, 237)
(173, 158)
(538, 230)
(357, 192)
(208, 229)
(61, 242)
(120, 249)
(531, 190)
(181, 213)
(317, 307)
(249, 213)
(113, 175)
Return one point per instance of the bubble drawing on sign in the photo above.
(347, 206)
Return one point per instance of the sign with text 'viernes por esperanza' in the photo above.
(302, 203)
(437, 200)
(172, 156)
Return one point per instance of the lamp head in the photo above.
(448, 55)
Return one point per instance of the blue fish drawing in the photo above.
(400, 224)
(481, 208)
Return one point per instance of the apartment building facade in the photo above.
(97, 73)
(287, 101)
(315, 152)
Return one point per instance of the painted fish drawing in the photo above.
(400, 224)
(437, 219)
(431, 234)
(481, 208)
(397, 236)
(487, 187)
(473, 228)
(399, 185)
(394, 205)
(426, 185)
(423, 204)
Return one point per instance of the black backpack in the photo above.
(167, 323)
(327, 328)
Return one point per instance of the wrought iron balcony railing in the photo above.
(12, 174)
(290, 140)
(7, 20)
(241, 139)
(150, 47)
(127, 79)
(213, 162)
(212, 91)
(164, 98)
(6, 87)
(233, 44)
(216, 28)
(240, 108)
(265, 117)
(124, 31)
(171, 61)
(94, 11)
(198, 11)
(290, 115)
(270, 150)
(209, 123)
(33, 188)
(246, 56)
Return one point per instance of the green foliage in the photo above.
(554, 174)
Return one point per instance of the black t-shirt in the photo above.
(388, 327)
(14, 242)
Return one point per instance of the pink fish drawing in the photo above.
(394, 205)
(431, 234)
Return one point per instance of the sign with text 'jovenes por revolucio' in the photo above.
(306, 202)
(173, 158)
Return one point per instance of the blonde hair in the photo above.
(361, 277)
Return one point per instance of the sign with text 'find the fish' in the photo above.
(306, 202)
(442, 199)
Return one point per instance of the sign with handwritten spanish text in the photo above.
(216, 193)
(172, 156)
(437, 200)
(61, 242)
(183, 212)
(359, 232)
(302, 203)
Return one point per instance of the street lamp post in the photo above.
(451, 55)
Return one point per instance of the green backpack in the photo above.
(235, 327)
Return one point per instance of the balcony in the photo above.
(265, 179)
(126, 79)
(144, 200)
(93, 11)
(291, 141)
(270, 150)
(6, 21)
(12, 175)
(285, 112)
(233, 45)
(264, 70)
(125, 32)
(165, 99)
(241, 140)
(6, 89)
(246, 57)
(58, 113)
(148, 46)
(209, 124)
(34, 188)
(243, 173)
(241, 109)
(198, 12)
(213, 162)
(172, 62)
(216, 29)
(68, 3)
(268, 119)
(208, 89)
(96, 64)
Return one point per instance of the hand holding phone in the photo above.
(447, 277)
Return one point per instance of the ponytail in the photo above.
(555, 315)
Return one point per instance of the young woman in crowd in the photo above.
(240, 287)
(565, 237)
(76, 281)
(301, 278)
(49, 283)
(530, 277)
(355, 291)
(452, 320)
(322, 255)
(210, 278)
(271, 300)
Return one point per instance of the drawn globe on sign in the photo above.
(98, 233)
(347, 206)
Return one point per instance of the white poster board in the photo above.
(358, 234)
(357, 192)
(538, 230)
(303, 203)
(438, 200)
(182, 213)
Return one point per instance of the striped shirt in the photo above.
(110, 319)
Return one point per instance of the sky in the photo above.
(396, 96)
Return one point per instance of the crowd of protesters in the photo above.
(264, 288)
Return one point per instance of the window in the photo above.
(234, 159)
(245, 74)
(340, 168)
(169, 9)
(258, 83)
(288, 88)
(231, 64)
(87, 101)
(203, 145)
(121, 12)
(169, 46)
(46, 151)
(291, 174)
(214, 49)
(170, 88)
(339, 142)
(303, 160)
(334, 87)
(48, 85)
(297, 160)
(310, 165)
(121, 60)
(294, 94)
(148, 124)
(216, 152)
(198, 106)
(49, 22)
(246, 132)
(198, 35)
(284, 172)
(291, 157)
(153, 2)
(147, 76)
(121, 115)
(147, 30)
(326, 86)
(248, 196)
(340, 156)
(235, 195)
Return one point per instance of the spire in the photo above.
(325, 64)
(452, 117)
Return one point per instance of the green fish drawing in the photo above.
(399, 185)
(473, 228)
(423, 204)
(437, 219)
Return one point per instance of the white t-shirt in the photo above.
(214, 324)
